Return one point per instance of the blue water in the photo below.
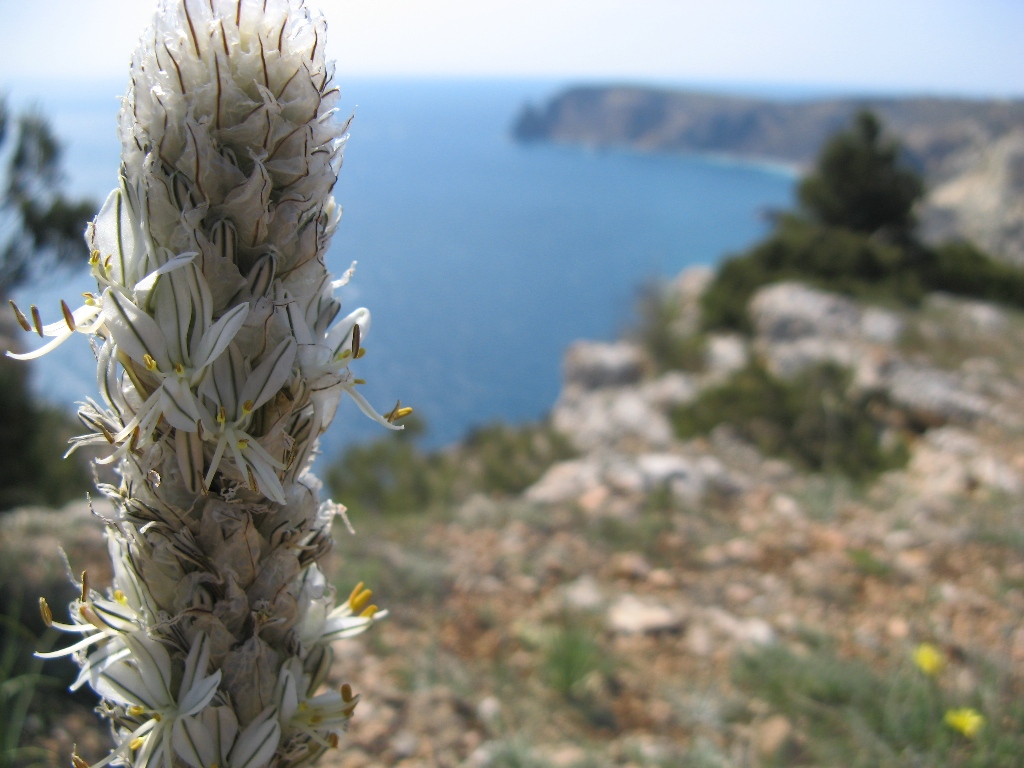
(480, 259)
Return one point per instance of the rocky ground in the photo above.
(660, 602)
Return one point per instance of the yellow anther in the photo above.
(94, 258)
(316, 719)
(179, 369)
(106, 261)
(361, 353)
(247, 406)
(136, 743)
(355, 592)
(68, 317)
(44, 609)
(242, 444)
(303, 706)
(362, 599)
(149, 362)
(222, 415)
(332, 739)
(37, 321)
(346, 693)
(120, 597)
(344, 354)
(157, 716)
(136, 710)
(359, 381)
(90, 300)
(20, 317)
(368, 612)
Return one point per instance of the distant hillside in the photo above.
(971, 152)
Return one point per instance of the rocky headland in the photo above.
(971, 152)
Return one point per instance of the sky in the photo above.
(957, 47)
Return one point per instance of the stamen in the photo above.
(36, 319)
(199, 429)
(85, 586)
(44, 610)
(369, 611)
(242, 444)
(68, 317)
(332, 739)
(361, 353)
(247, 407)
(252, 481)
(119, 596)
(136, 743)
(94, 258)
(222, 415)
(136, 710)
(346, 693)
(355, 340)
(344, 354)
(78, 762)
(358, 381)
(179, 369)
(149, 362)
(20, 317)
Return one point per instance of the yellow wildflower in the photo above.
(929, 659)
(965, 721)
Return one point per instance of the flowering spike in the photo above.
(220, 362)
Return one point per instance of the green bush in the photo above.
(812, 421)
(393, 475)
(658, 331)
(854, 234)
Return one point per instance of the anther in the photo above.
(344, 354)
(355, 340)
(199, 429)
(94, 258)
(149, 362)
(78, 762)
(346, 693)
(20, 317)
(36, 319)
(119, 597)
(252, 480)
(368, 612)
(179, 369)
(136, 710)
(137, 742)
(222, 415)
(355, 592)
(361, 353)
(247, 406)
(44, 610)
(361, 600)
(358, 381)
(242, 444)
(85, 586)
(332, 739)
(68, 317)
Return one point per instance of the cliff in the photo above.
(971, 152)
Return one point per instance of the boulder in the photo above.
(593, 365)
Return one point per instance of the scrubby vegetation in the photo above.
(394, 475)
(854, 233)
(854, 716)
(812, 420)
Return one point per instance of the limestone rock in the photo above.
(596, 365)
(632, 615)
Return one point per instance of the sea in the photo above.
(480, 259)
